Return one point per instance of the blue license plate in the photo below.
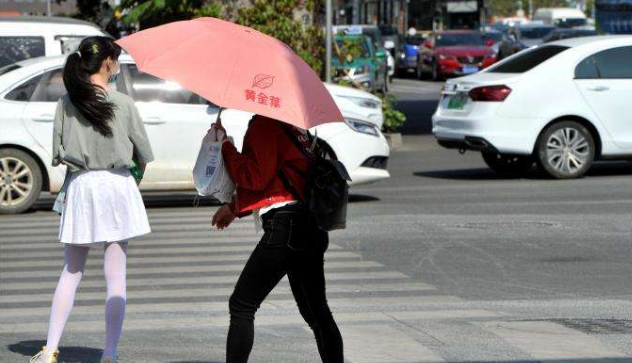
(470, 69)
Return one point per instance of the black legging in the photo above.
(288, 246)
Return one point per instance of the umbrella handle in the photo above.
(218, 120)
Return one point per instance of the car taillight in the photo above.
(490, 93)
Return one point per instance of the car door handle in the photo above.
(154, 120)
(598, 88)
(45, 117)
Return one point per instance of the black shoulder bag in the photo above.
(327, 191)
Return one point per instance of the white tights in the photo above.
(75, 262)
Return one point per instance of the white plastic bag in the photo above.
(209, 174)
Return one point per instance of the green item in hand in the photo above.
(136, 171)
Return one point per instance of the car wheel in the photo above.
(566, 150)
(517, 165)
(20, 181)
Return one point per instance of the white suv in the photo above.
(35, 36)
(175, 119)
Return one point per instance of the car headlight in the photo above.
(363, 102)
(361, 126)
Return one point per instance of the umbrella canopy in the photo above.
(235, 67)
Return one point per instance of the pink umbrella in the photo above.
(235, 67)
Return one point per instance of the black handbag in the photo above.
(327, 191)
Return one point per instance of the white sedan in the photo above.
(563, 105)
(176, 121)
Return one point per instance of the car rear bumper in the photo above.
(487, 132)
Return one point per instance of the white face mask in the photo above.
(114, 75)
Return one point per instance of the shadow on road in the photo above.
(29, 348)
(604, 169)
(418, 116)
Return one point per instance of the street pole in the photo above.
(328, 30)
(48, 8)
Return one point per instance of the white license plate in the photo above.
(470, 69)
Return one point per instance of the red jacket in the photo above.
(266, 149)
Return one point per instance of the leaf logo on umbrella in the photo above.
(262, 81)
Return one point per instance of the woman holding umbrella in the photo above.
(256, 73)
(271, 163)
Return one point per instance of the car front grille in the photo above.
(470, 60)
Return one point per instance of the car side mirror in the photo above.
(428, 44)
(489, 42)
(380, 54)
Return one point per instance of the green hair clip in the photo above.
(95, 49)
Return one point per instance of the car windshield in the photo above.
(527, 60)
(535, 33)
(570, 22)
(448, 40)
(352, 48)
(416, 40)
(9, 68)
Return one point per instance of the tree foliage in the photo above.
(150, 13)
(277, 19)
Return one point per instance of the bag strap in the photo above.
(286, 182)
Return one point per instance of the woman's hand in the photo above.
(223, 217)
(220, 131)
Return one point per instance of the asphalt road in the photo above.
(445, 262)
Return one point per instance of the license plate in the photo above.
(470, 69)
(457, 102)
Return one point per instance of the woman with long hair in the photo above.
(99, 136)
(272, 175)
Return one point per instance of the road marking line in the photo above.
(210, 291)
(97, 260)
(134, 323)
(224, 279)
(383, 344)
(148, 249)
(210, 268)
(550, 341)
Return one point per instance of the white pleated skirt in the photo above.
(102, 206)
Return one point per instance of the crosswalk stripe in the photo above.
(174, 250)
(225, 279)
(175, 236)
(387, 345)
(131, 270)
(55, 264)
(53, 227)
(132, 323)
(210, 291)
(545, 340)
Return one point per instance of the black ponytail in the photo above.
(89, 99)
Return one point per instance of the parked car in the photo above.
(409, 54)
(567, 33)
(33, 36)
(523, 37)
(495, 36)
(454, 53)
(381, 54)
(391, 39)
(176, 120)
(359, 62)
(563, 105)
(561, 17)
